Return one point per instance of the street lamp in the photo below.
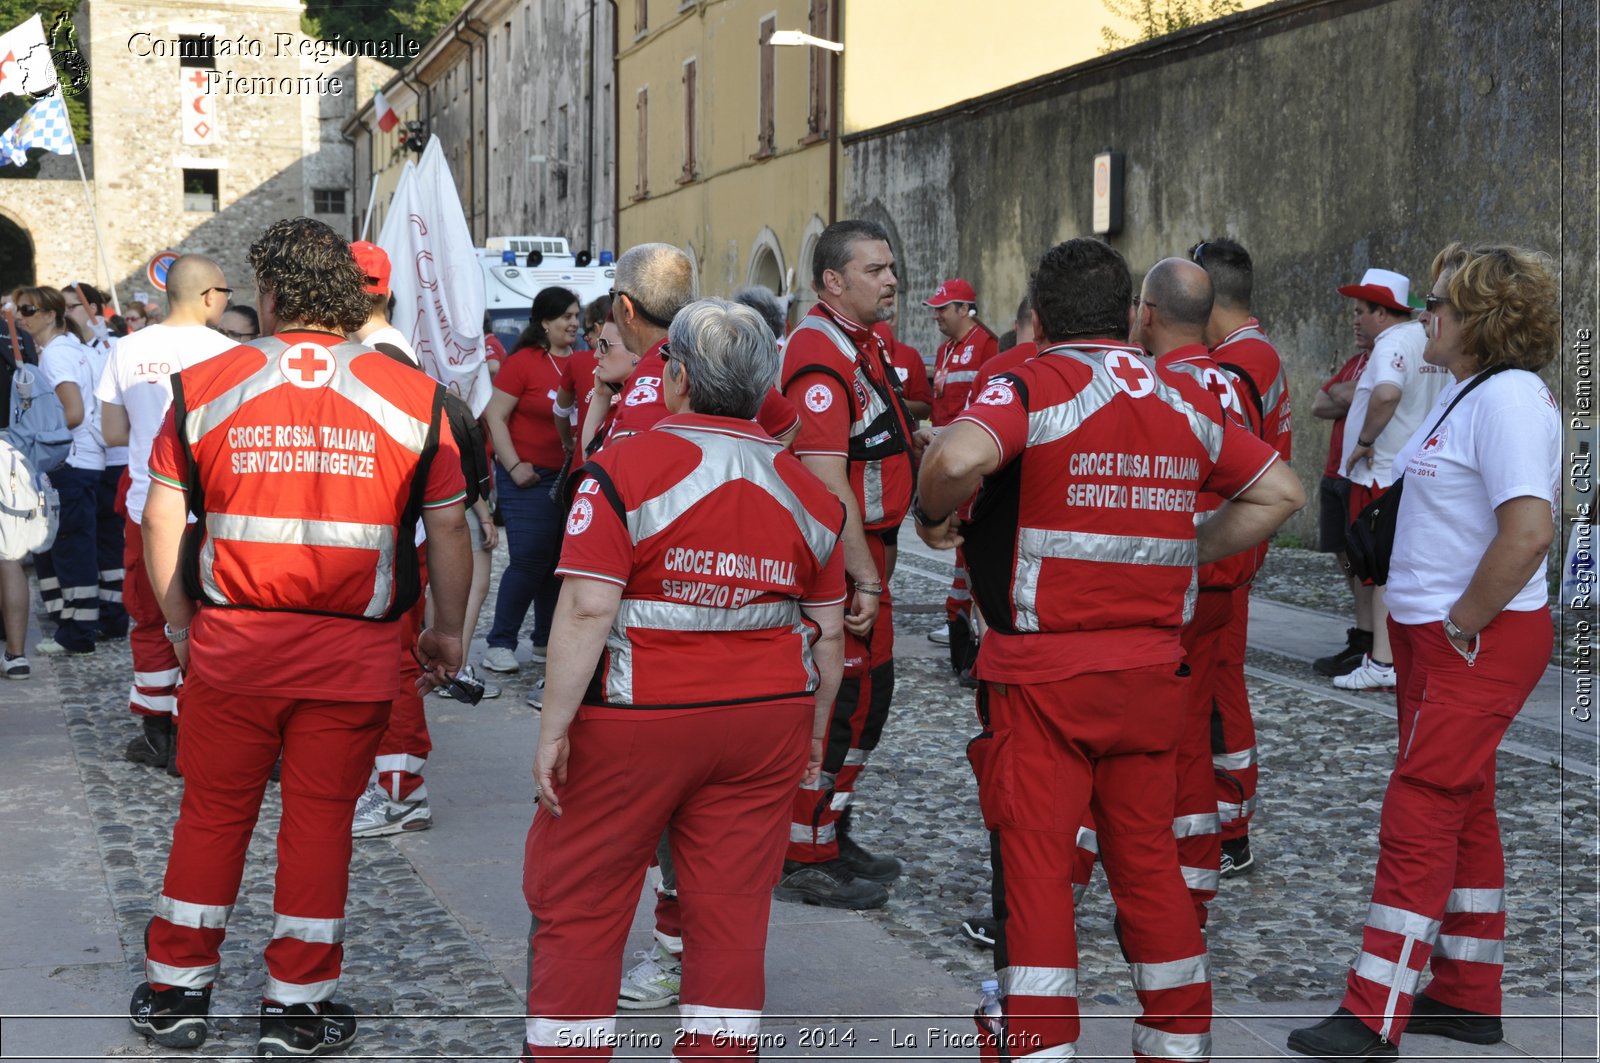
(792, 38)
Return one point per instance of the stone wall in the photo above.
(1325, 135)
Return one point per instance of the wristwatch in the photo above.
(176, 635)
(923, 517)
(1455, 632)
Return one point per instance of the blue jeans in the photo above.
(533, 539)
(69, 577)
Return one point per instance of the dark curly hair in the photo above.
(311, 274)
(548, 305)
(1082, 289)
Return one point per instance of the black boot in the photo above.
(1343, 1037)
(963, 647)
(1431, 1018)
(861, 863)
(1358, 643)
(154, 746)
(172, 754)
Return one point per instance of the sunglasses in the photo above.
(225, 291)
(602, 346)
(242, 337)
(26, 310)
(1431, 303)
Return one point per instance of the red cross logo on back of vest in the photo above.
(1130, 374)
(306, 365)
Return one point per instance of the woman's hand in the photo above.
(523, 474)
(550, 769)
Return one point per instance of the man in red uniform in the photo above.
(702, 550)
(306, 461)
(910, 371)
(959, 361)
(855, 436)
(1083, 546)
(1239, 346)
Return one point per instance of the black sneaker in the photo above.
(154, 746)
(1358, 643)
(828, 884)
(172, 756)
(1431, 1018)
(1341, 1036)
(980, 928)
(861, 863)
(304, 1029)
(172, 1018)
(1237, 859)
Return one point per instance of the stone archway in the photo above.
(16, 255)
(766, 262)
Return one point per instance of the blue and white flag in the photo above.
(44, 126)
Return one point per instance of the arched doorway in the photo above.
(766, 262)
(16, 255)
(805, 296)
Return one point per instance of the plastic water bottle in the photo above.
(990, 1016)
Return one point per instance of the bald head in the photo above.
(193, 294)
(1174, 306)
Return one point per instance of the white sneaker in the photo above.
(536, 695)
(940, 634)
(1369, 675)
(500, 659)
(537, 654)
(654, 982)
(376, 815)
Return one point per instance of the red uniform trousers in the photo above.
(720, 783)
(230, 743)
(1106, 742)
(1439, 895)
(859, 713)
(1233, 730)
(404, 749)
(1194, 818)
(155, 666)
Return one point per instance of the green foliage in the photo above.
(362, 20)
(1157, 18)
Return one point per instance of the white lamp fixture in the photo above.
(795, 38)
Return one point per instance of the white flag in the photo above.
(25, 65)
(436, 280)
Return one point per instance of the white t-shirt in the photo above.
(66, 361)
(1502, 441)
(393, 336)
(1396, 359)
(138, 378)
(99, 355)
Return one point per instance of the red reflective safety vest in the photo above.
(1196, 362)
(1087, 528)
(718, 536)
(306, 469)
(1253, 360)
(879, 449)
(957, 367)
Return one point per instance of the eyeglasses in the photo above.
(218, 288)
(1431, 303)
(1197, 253)
(26, 310)
(1138, 302)
(242, 337)
(602, 346)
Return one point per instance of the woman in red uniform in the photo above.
(530, 456)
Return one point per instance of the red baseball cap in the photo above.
(954, 290)
(374, 263)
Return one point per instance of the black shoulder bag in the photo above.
(1369, 541)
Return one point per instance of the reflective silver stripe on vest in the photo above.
(678, 616)
(1465, 949)
(196, 916)
(1150, 977)
(835, 334)
(288, 531)
(1039, 981)
(1476, 900)
(1162, 1045)
(1245, 758)
(964, 377)
(1034, 545)
(1399, 921)
(1195, 825)
(299, 992)
(1059, 421)
(188, 977)
(400, 426)
(871, 409)
(315, 931)
(872, 492)
(1273, 393)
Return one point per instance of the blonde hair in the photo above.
(1508, 301)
